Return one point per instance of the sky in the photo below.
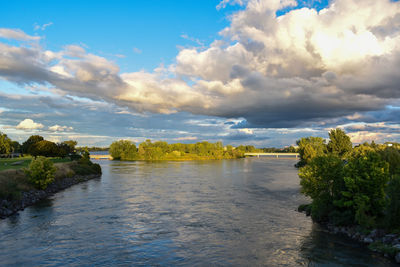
(259, 72)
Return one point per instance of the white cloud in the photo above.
(41, 27)
(58, 128)
(29, 124)
(17, 35)
(304, 67)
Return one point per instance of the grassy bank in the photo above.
(23, 162)
(14, 181)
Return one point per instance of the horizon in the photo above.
(254, 72)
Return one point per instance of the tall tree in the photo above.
(5, 144)
(339, 143)
(309, 148)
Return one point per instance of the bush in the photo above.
(86, 169)
(41, 172)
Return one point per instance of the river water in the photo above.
(195, 213)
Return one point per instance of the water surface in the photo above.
(202, 213)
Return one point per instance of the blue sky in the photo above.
(109, 28)
(262, 72)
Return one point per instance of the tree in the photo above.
(5, 144)
(123, 150)
(339, 143)
(31, 141)
(322, 180)
(63, 150)
(44, 148)
(71, 144)
(16, 147)
(309, 148)
(365, 178)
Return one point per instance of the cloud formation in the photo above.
(299, 69)
(29, 124)
(58, 128)
(17, 34)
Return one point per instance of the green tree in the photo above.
(339, 143)
(5, 144)
(72, 144)
(44, 148)
(309, 148)
(30, 142)
(392, 212)
(16, 147)
(322, 180)
(365, 178)
(123, 150)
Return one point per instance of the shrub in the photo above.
(86, 169)
(41, 172)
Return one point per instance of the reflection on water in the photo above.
(230, 212)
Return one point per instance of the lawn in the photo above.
(23, 162)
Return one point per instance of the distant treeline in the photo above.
(126, 150)
(288, 149)
(36, 145)
(91, 148)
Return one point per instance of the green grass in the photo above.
(5, 163)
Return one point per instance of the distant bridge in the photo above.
(277, 155)
(101, 157)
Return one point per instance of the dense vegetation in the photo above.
(126, 150)
(351, 186)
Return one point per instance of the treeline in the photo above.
(91, 148)
(288, 149)
(126, 150)
(351, 186)
(36, 145)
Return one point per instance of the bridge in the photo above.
(277, 155)
(97, 157)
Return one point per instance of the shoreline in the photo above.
(29, 198)
(377, 241)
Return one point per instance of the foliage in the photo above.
(40, 172)
(339, 143)
(71, 144)
(365, 178)
(352, 186)
(392, 212)
(44, 148)
(30, 142)
(309, 148)
(392, 156)
(126, 150)
(322, 180)
(5, 144)
(16, 147)
(123, 150)
(12, 182)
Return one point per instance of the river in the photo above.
(194, 213)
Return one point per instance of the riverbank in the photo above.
(377, 240)
(16, 193)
